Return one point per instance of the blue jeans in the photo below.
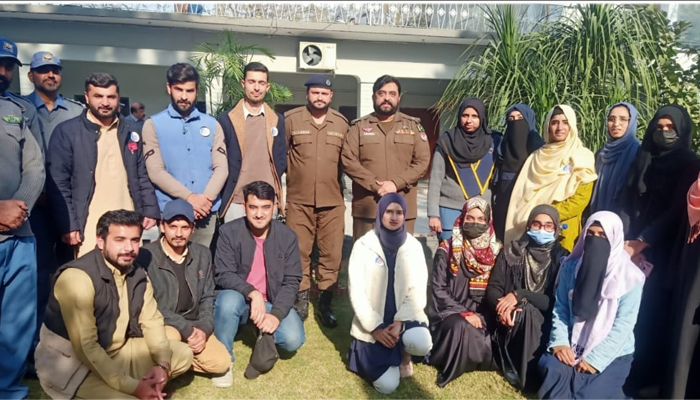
(448, 216)
(232, 310)
(17, 312)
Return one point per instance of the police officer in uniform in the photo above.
(315, 204)
(386, 151)
(45, 73)
(51, 109)
(8, 63)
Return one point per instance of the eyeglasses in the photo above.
(537, 225)
(621, 119)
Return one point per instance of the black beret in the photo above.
(319, 80)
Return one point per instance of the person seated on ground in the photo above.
(597, 299)
(521, 295)
(387, 278)
(183, 285)
(103, 336)
(461, 270)
(258, 272)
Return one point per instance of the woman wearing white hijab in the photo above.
(596, 305)
(561, 173)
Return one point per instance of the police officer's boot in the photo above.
(301, 305)
(324, 309)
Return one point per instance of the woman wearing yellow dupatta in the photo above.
(561, 173)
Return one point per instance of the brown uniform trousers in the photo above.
(370, 154)
(315, 205)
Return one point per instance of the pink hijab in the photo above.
(621, 276)
(694, 210)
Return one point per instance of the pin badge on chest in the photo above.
(204, 131)
(134, 136)
(274, 131)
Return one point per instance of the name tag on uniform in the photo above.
(294, 133)
(336, 134)
(368, 131)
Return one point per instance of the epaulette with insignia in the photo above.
(15, 102)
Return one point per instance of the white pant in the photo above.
(417, 342)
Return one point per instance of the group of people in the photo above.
(136, 252)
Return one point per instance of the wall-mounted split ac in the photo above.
(316, 56)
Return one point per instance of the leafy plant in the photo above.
(221, 65)
(598, 55)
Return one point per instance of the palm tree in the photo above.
(601, 54)
(225, 61)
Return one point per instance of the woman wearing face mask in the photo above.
(387, 284)
(461, 270)
(522, 286)
(597, 298)
(462, 166)
(561, 173)
(652, 213)
(520, 140)
(613, 161)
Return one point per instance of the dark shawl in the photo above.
(519, 141)
(466, 148)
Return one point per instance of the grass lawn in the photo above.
(318, 370)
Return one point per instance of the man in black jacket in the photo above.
(95, 164)
(183, 286)
(258, 268)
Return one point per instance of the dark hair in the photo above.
(259, 189)
(117, 217)
(182, 72)
(134, 108)
(383, 80)
(101, 80)
(256, 66)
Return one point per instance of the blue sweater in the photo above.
(620, 340)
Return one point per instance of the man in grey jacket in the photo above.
(22, 179)
(183, 286)
(258, 268)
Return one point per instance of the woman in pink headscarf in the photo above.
(597, 300)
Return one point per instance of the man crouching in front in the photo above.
(103, 336)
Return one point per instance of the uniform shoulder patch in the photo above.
(15, 102)
(12, 119)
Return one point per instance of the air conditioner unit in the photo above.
(316, 56)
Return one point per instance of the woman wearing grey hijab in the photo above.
(521, 296)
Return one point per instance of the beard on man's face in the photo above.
(391, 110)
(103, 112)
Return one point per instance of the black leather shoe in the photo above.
(301, 305)
(324, 309)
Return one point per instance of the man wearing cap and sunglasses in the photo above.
(315, 204)
(183, 286)
(45, 72)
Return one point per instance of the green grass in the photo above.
(318, 370)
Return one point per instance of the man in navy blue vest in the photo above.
(186, 154)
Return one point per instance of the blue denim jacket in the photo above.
(620, 340)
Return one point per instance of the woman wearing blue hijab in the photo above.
(520, 140)
(613, 161)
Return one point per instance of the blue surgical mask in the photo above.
(541, 237)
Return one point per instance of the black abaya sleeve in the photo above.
(497, 283)
(668, 222)
(443, 301)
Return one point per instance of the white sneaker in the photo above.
(225, 380)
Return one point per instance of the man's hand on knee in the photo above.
(197, 340)
(269, 324)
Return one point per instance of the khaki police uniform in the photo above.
(400, 154)
(315, 204)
